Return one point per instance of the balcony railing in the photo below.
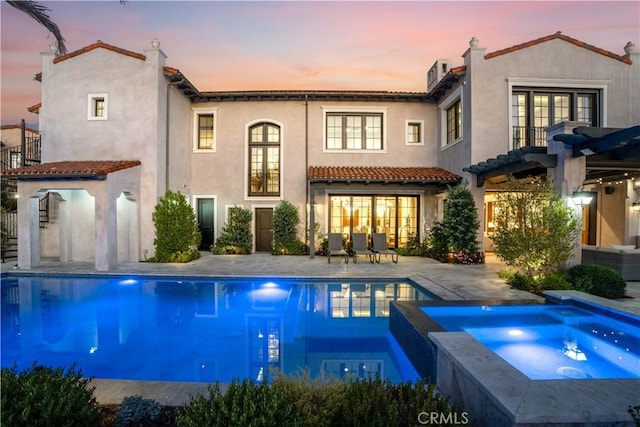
(11, 157)
(529, 136)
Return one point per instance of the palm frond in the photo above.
(40, 13)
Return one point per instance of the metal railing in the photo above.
(9, 239)
(11, 157)
(529, 136)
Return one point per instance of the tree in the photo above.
(40, 13)
(177, 234)
(285, 230)
(535, 231)
(461, 225)
(236, 236)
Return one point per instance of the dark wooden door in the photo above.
(205, 222)
(264, 229)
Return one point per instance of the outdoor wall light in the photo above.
(581, 198)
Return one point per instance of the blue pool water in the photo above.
(551, 341)
(194, 329)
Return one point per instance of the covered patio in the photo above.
(92, 207)
(602, 162)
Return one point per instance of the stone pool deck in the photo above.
(448, 281)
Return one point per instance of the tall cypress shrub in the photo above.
(177, 234)
(461, 225)
(285, 230)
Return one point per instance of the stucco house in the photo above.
(119, 128)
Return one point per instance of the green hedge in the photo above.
(597, 280)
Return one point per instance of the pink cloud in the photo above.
(303, 45)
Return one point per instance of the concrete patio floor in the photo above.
(448, 281)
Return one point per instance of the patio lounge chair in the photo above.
(380, 247)
(334, 247)
(359, 247)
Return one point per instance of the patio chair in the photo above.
(359, 247)
(334, 247)
(380, 247)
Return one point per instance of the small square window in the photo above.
(97, 106)
(415, 133)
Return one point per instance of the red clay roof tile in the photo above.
(560, 36)
(100, 44)
(381, 174)
(72, 169)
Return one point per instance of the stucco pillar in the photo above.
(106, 248)
(312, 223)
(569, 175)
(478, 199)
(28, 231)
(64, 222)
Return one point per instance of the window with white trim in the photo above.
(415, 132)
(454, 122)
(97, 106)
(204, 130)
(349, 129)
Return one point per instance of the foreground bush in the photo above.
(43, 396)
(137, 411)
(244, 404)
(597, 280)
(305, 402)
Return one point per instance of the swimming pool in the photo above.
(551, 341)
(204, 329)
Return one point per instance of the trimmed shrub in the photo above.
(136, 411)
(285, 230)
(177, 235)
(535, 284)
(44, 396)
(437, 243)
(236, 236)
(461, 225)
(597, 280)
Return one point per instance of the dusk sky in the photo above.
(297, 44)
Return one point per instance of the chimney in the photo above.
(437, 72)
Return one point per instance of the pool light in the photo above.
(128, 282)
(571, 351)
(515, 332)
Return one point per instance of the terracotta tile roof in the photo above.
(72, 169)
(27, 128)
(100, 44)
(559, 36)
(35, 108)
(381, 174)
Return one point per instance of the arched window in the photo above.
(264, 160)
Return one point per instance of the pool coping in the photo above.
(493, 392)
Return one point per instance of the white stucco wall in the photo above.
(223, 172)
(135, 128)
